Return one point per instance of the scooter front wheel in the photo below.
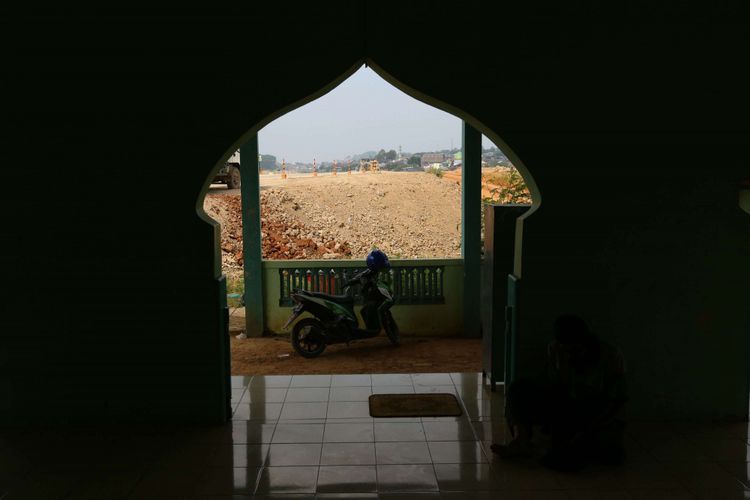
(391, 328)
(308, 338)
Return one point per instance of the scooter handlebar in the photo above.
(358, 278)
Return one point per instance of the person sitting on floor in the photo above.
(578, 402)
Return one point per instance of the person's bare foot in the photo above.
(515, 449)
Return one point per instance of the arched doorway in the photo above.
(471, 182)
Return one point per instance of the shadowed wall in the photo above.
(632, 123)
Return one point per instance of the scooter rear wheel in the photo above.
(391, 328)
(308, 338)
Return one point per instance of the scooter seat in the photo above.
(339, 299)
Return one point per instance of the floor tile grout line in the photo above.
(322, 437)
(434, 471)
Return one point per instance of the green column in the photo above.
(471, 220)
(251, 249)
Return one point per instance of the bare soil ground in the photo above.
(275, 356)
(406, 214)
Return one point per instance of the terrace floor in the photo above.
(311, 436)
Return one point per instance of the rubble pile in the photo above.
(284, 236)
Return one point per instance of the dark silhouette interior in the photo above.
(632, 123)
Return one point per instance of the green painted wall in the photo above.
(438, 319)
(251, 245)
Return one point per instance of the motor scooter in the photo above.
(334, 320)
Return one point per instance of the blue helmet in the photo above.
(377, 261)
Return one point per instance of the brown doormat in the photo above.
(414, 405)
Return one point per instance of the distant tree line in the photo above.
(384, 156)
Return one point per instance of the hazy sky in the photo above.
(363, 113)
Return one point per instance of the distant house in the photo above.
(430, 158)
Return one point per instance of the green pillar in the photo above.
(251, 249)
(471, 221)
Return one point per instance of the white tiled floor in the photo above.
(311, 436)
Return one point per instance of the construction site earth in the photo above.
(408, 215)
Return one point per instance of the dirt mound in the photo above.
(493, 179)
(226, 209)
(407, 215)
(285, 236)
